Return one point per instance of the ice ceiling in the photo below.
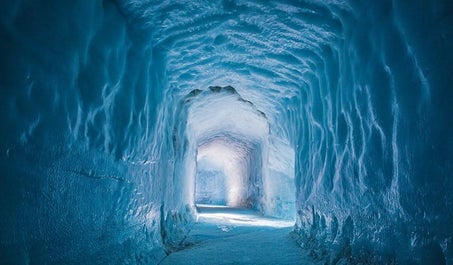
(335, 113)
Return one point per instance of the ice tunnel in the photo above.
(120, 116)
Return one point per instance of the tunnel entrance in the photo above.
(228, 173)
(234, 159)
(210, 187)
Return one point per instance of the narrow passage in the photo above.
(238, 236)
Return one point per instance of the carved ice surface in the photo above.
(118, 115)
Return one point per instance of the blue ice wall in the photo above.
(374, 167)
(79, 97)
(102, 111)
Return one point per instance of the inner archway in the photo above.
(238, 161)
(228, 173)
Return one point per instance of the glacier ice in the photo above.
(335, 114)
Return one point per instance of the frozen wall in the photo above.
(345, 107)
(374, 164)
(78, 107)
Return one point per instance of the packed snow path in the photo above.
(238, 236)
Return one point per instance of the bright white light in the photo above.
(231, 159)
(238, 217)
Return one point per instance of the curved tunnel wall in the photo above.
(372, 166)
(80, 88)
(92, 145)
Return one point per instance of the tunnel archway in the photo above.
(231, 141)
(229, 167)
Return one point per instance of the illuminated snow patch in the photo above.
(222, 215)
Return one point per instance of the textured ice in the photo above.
(335, 114)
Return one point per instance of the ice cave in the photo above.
(226, 132)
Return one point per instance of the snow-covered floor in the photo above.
(238, 236)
